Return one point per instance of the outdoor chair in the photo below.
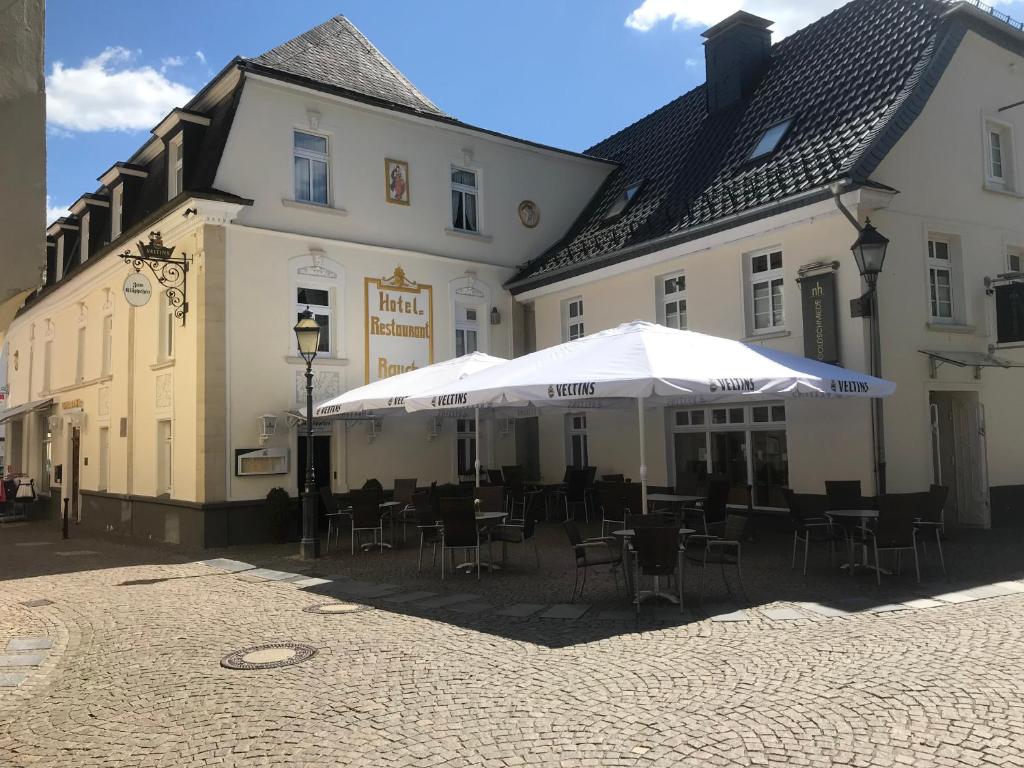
(843, 494)
(807, 514)
(404, 489)
(516, 533)
(705, 550)
(335, 515)
(366, 516)
(494, 477)
(715, 509)
(931, 519)
(577, 494)
(590, 553)
(459, 530)
(633, 493)
(612, 498)
(374, 484)
(895, 530)
(490, 498)
(429, 526)
(687, 484)
(613, 478)
(656, 552)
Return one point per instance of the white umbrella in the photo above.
(652, 365)
(391, 393)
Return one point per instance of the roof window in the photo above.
(770, 139)
(623, 201)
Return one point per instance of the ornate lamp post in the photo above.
(869, 253)
(307, 334)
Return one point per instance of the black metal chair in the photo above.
(577, 493)
(706, 549)
(404, 489)
(459, 529)
(335, 515)
(611, 496)
(810, 525)
(894, 530)
(590, 553)
(519, 532)
(366, 516)
(656, 552)
(844, 494)
(931, 519)
(427, 517)
(715, 509)
(490, 498)
(494, 477)
(633, 494)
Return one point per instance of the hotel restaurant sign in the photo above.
(818, 299)
(399, 324)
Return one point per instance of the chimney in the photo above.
(736, 54)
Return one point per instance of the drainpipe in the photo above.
(875, 360)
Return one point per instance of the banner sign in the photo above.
(399, 325)
(818, 299)
(1010, 313)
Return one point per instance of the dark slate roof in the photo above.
(842, 80)
(335, 53)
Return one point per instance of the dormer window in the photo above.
(116, 198)
(175, 167)
(623, 201)
(770, 139)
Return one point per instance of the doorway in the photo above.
(959, 457)
(527, 433)
(76, 444)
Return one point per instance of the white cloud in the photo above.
(107, 94)
(54, 212)
(202, 57)
(171, 61)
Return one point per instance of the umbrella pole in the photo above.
(643, 454)
(476, 450)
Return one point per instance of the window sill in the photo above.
(469, 235)
(766, 336)
(951, 327)
(159, 366)
(304, 206)
(1009, 345)
(1000, 189)
(329, 361)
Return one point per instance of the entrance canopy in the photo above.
(19, 410)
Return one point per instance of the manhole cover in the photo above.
(269, 656)
(333, 608)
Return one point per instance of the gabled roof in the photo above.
(850, 83)
(335, 53)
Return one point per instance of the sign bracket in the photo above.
(170, 272)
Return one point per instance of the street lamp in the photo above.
(307, 335)
(869, 253)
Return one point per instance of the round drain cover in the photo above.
(269, 656)
(333, 608)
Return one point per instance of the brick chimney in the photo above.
(736, 54)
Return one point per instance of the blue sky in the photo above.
(562, 72)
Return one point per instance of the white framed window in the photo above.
(80, 356)
(467, 329)
(940, 279)
(465, 447)
(999, 155)
(164, 457)
(318, 301)
(103, 480)
(311, 163)
(1015, 260)
(572, 319)
(116, 203)
(765, 296)
(672, 301)
(746, 443)
(465, 200)
(175, 166)
(576, 453)
(107, 363)
(167, 321)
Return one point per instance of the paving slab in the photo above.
(231, 566)
(312, 581)
(729, 614)
(365, 589)
(76, 552)
(783, 613)
(270, 575)
(21, 659)
(995, 590)
(959, 596)
(923, 602)
(1010, 586)
(29, 644)
(472, 606)
(889, 608)
(408, 597)
(444, 601)
(824, 610)
(521, 610)
(565, 611)
(12, 679)
(619, 615)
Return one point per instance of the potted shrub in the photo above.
(279, 504)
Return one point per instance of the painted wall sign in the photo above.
(72, 406)
(818, 299)
(137, 289)
(399, 326)
(1010, 312)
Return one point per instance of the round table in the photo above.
(484, 518)
(863, 514)
(856, 514)
(626, 534)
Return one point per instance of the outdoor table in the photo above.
(334, 524)
(388, 508)
(484, 519)
(856, 514)
(672, 498)
(626, 534)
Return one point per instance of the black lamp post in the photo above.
(307, 334)
(869, 253)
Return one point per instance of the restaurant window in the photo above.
(465, 446)
(746, 443)
(465, 192)
(318, 301)
(765, 294)
(164, 457)
(310, 163)
(103, 480)
(107, 362)
(672, 301)
(80, 356)
(577, 454)
(572, 319)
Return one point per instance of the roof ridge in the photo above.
(307, 35)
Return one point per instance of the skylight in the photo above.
(623, 200)
(770, 139)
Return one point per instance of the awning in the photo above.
(975, 360)
(20, 410)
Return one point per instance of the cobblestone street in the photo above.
(113, 659)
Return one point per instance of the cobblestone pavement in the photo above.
(906, 675)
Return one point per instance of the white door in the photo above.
(971, 459)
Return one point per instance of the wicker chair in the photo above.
(366, 516)
(519, 532)
(895, 530)
(705, 549)
(657, 552)
(931, 519)
(611, 497)
(427, 518)
(459, 529)
(590, 553)
(807, 514)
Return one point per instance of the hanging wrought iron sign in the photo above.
(170, 272)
